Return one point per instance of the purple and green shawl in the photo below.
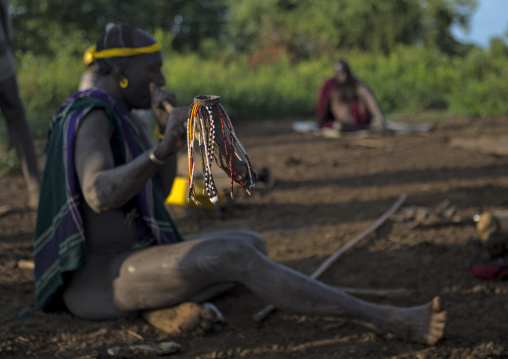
(59, 245)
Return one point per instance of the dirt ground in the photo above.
(327, 192)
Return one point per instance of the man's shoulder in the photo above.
(86, 115)
(362, 88)
(330, 81)
(88, 103)
(328, 84)
(97, 113)
(96, 119)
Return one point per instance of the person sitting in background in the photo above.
(346, 104)
(105, 247)
(12, 108)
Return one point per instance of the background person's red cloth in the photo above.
(323, 114)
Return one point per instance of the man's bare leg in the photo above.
(164, 276)
(20, 136)
(90, 293)
(189, 317)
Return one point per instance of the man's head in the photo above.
(129, 60)
(342, 71)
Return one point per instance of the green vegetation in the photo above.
(44, 84)
(410, 80)
(268, 58)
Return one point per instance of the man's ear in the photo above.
(119, 69)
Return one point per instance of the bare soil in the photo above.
(327, 191)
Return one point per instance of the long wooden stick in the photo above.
(259, 316)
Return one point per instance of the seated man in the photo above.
(346, 104)
(106, 248)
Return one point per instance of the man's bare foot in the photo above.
(184, 319)
(423, 324)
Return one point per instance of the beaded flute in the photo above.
(211, 126)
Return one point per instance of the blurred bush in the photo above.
(410, 79)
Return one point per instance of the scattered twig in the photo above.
(259, 316)
(26, 264)
(134, 334)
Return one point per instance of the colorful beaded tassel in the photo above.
(211, 126)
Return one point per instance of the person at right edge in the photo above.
(19, 132)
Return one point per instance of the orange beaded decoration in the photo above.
(211, 126)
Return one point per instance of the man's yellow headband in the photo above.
(91, 54)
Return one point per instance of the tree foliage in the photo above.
(313, 27)
(302, 28)
(42, 25)
(401, 48)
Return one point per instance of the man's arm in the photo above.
(105, 186)
(166, 172)
(322, 105)
(175, 116)
(373, 107)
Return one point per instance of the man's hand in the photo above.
(159, 111)
(175, 135)
(172, 124)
